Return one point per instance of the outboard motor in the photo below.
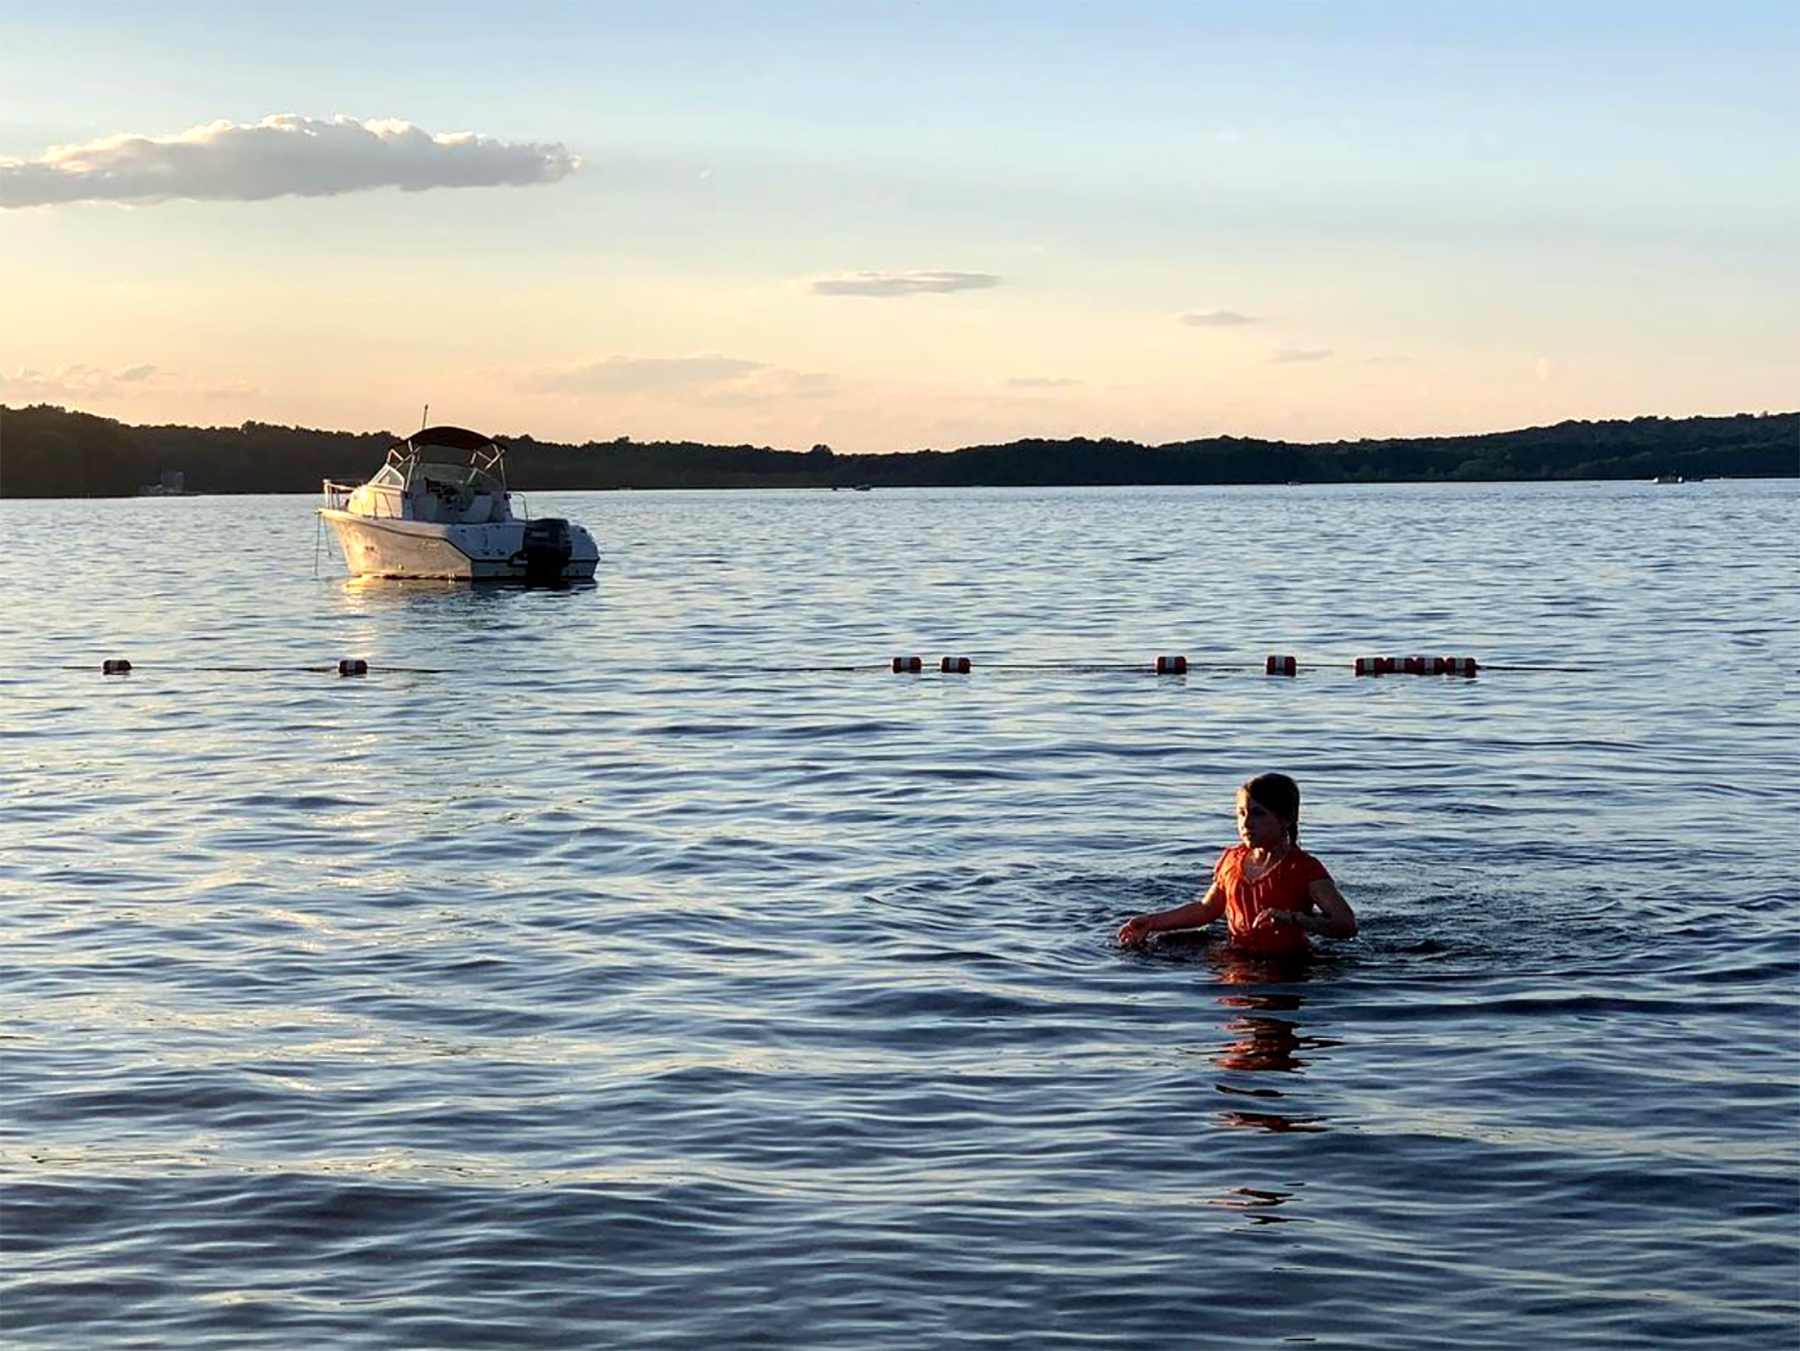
(547, 547)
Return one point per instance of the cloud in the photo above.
(640, 375)
(771, 386)
(91, 382)
(901, 283)
(281, 156)
(707, 377)
(1215, 319)
(1285, 355)
(1040, 382)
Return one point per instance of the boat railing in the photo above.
(337, 498)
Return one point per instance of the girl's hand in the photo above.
(1273, 919)
(1134, 931)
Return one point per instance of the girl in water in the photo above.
(1271, 891)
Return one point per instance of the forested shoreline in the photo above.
(46, 451)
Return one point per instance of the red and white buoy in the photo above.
(1281, 666)
(1176, 665)
(908, 665)
(1417, 665)
(115, 666)
(353, 666)
(954, 666)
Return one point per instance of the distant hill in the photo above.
(54, 452)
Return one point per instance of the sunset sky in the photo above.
(886, 226)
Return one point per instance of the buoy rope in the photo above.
(924, 668)
(1581, 670)
(136, 667)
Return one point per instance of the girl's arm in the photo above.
(1330, 916)
(1190, 916)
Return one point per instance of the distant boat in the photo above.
(1668, 478)
(439, 508)
(865, 487)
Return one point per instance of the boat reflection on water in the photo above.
(1263, 1037)
(449, 600)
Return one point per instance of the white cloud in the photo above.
(1285, 355)
(281, 156)
(1215, 319)
(901, 283)
(92, 382)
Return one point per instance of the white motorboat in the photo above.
(439, 508)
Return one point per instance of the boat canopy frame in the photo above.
(486, 455)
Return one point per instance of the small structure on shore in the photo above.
(171, 483)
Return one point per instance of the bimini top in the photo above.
(450, 438)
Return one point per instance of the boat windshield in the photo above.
(477, 480)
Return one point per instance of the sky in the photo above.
(886, 226)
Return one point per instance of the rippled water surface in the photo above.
(647, 965)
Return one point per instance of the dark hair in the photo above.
(1279, 794)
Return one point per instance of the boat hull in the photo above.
(387, 547)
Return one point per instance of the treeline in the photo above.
(53, 452)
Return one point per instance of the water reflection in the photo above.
(1263, 1037)
(1259, 1204)
(365, 595)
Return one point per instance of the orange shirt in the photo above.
(1283, 887)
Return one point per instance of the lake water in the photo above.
(646, 965)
